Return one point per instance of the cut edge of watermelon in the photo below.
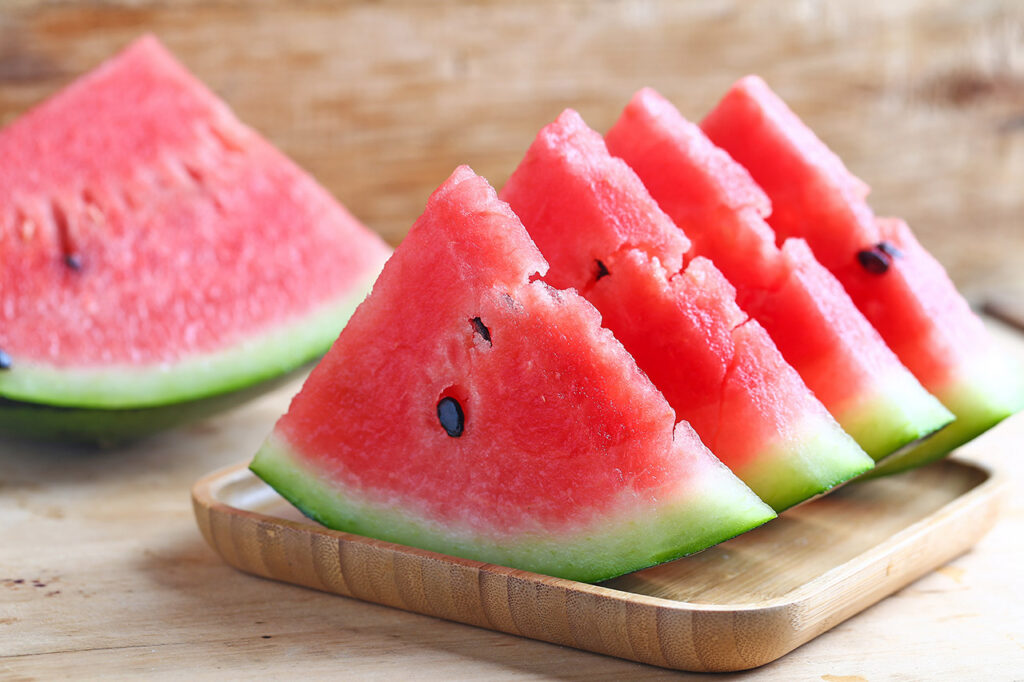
(893, 417)
(980, 401)
(612, 545)
(786, 475)
(257, 358)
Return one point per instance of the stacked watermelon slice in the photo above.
(649, 344)
(717, 367)
(519, 439)
(815, 324)
(523, 429)
(899, 287)
(469, 410)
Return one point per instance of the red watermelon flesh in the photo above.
(568, 462)
(804, 308)
(901, 289)
(718, 369)
(154, 250)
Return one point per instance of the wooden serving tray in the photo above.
(739, 605)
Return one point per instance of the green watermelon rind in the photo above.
(105, 428)
(979, 402)
(792, 472)
(612, 545)
(258, 358)
(897, 414)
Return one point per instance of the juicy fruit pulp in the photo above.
(718, 369)
(804, 308)
(906, 294)
(154, 252)
(568, 462)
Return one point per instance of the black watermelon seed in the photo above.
(5, 360)
(449, 413)
(73, 261)
(874, 261)
(601, 270)
(889, 249)
(480, 328)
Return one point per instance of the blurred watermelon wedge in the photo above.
(158, 259)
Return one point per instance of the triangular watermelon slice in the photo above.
(604, 235)
(899, 287)
(470, 411)
(158, 259)
(810, 317)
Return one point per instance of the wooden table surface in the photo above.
(381, 99)
(102, 570)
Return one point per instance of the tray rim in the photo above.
(980, 503)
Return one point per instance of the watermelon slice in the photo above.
(900, 288)
(470, 411)
(158, 259)
(604, 235)
(810, 317)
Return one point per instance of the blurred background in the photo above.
(380, 99)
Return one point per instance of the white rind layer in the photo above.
(896, 412)
(709, 507)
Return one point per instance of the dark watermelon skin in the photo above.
(97, 428)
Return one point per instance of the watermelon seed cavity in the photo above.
(449, 413)
(5, 360)
(874, 260)
(67, 246)
(480, 328)
(602, 270)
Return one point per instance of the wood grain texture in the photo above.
(381, 99)
(733, 607)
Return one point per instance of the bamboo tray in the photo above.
(739, 605)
